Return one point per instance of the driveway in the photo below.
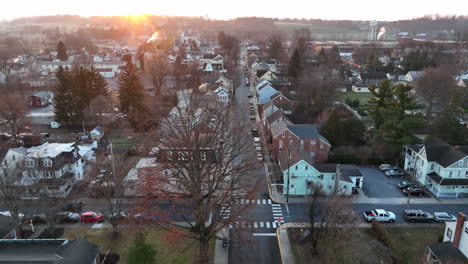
(378, 185)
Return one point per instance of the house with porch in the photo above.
(440, 167)
(454, 247)
(301, 176)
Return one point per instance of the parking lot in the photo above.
(378, 185)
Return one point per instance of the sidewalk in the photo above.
(221, 253)
(286, 253)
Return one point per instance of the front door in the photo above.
(358, 183)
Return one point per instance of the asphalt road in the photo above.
(254, 240)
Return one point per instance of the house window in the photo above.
(289, 135)
(450, 174)
(312, 142)
(203, 156)
(48, 174)
(321, 176)
(283, 135)
(29, 163)
(321, 145)
(459, 173)
(13, 157)
(333, 177)
(449, 233)
(296, 167)
(432, 166)
(460, 163)
(292, 185)
(47, 162)
(169, 155)
(306, 167)
(302, 143)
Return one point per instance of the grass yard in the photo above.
(411, 244)
(362, 97)
(180, 252)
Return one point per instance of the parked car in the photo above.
(405, 184)
(259, 157)
(251, 102)
(67, 217)
(252, 108)
(145, 216)
(414, 191)
(380, 215)
(386, 167)
(252, 117)
(258, 149)
(417, 216)
(37, 218)
(398, 172)
(118, 215)
(8, 213)
(257, 139)
(249, 96)
(444, 217)
(91, 217)
(255, 132)
(74, 206)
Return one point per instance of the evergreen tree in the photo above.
(62, 51)
(322, 57)
(295, 66)
(276, 50)
(448, 128)
(63, 96)
(334, 58)
(131, 90)
(141, 252)
(382, 96)
(343, 131)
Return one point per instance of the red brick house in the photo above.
(304, 135)
(40, 99)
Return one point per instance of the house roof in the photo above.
(447, 181)
(43, 94)
(48, 251)
(307, 131)
(7, 224)
(447, 253)
(296, 154)
(444, 154)
(278, 115)
(277, 128)
(373, 75)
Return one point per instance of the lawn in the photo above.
(410, 244)
(362, 97)
(179, 252)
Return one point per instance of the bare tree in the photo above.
(13, 111)
(99, 111)
(193, 77)
(437, 85)
(317, 91)
(331, 219)
(203, 156)
(158, 67)
(12, 187)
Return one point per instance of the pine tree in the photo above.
(382, 96)
(334, 59)
(131, 90)
(141, 252)
(295, 66)
(64, 97)
(322, 57)
(62, 51)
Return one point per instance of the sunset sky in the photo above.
(330, 9)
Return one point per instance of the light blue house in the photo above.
(302, 177)
(265, 94)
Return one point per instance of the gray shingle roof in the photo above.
(447, 253)
(307, 132)
(442, 153)
(296, 154)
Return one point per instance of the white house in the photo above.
(454, 248)
(411, 76)
(441, 168)
(302, 177)
(222, 94)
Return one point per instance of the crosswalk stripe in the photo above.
(255, 225)
(276, 210)
(261, 224)
(264, 201)
(269, 201)
(277, 214)
(276, 205)
(273, 224)
(259, 201)
(267, 224)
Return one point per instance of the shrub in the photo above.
(382, 235)
(344, 158)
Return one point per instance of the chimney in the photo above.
(458, 229)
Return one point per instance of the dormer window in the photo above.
(460, 163)
(29, 163)
(47, 162)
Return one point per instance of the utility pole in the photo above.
(287, 191)
(112, 159)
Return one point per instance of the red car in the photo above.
(91, 217)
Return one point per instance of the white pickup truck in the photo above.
(380, 215)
